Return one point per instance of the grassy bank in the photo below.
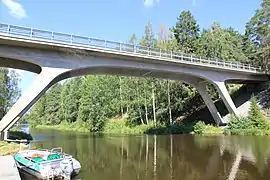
(78, 127)
(9, 148)
(118, 126)
(255, 124)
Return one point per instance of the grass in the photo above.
(9, 148)
(64, 126)
(209, 129)
(256, 132)
(118, 126)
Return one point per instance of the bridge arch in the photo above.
(20, 64)
(50, 76)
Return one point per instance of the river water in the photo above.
(170, 157)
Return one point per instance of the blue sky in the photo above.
(119, 19)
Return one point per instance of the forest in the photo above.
(91, 101)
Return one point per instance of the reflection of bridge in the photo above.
(56, 56)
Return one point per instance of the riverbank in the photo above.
(256, 123)
(10, 148)
(119, 126)
(7, 148)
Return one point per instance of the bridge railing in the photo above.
(120, 47)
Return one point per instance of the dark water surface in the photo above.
(145, 157)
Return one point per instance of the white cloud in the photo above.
(15, 8)
(150, 3)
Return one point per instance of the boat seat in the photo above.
(38, 159)
(54, 156)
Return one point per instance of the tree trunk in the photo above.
(155, 157)
(138, 100)
(146, 155)
(154, 107)
(145, 105)
(169, 102)
(121, 98)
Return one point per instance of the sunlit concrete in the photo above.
(55, 61)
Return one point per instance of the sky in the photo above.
(117, 20)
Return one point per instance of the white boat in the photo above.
(46, 164)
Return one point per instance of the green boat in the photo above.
(47, 164)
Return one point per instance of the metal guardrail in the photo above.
(120, 47)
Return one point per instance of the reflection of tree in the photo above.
(162, 157)
(254, 149)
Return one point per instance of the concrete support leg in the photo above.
(222, 90)
(201, 87)
(2, 135)
(6, 135)
(44, 81)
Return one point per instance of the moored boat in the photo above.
(46, 164)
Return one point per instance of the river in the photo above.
(170, 157)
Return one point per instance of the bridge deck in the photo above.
(81, 41)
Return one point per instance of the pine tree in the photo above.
(186, 32)
(256, 116)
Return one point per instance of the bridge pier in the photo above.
(42, 83)
(201, 88)
(225, 96)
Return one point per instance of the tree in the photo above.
(9, 91)
(256, 116)
(257, 35)
(133, 40)
(224, 44)
(166, 40)
(70, 97)
(186, 32)
(37, 115)
(148, 40)
(52, 110)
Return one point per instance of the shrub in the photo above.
(255, 115)
(239, 122)
(199, 127)
(20, 135)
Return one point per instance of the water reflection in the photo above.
(163, 157)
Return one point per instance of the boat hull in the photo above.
(62, 165)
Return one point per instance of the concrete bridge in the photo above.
(57, 56)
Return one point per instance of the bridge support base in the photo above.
(43, 82)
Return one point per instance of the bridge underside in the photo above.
(50, 76)
(53, 66)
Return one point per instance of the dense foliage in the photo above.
(255, 122)
(9, 91)
(91, 100)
